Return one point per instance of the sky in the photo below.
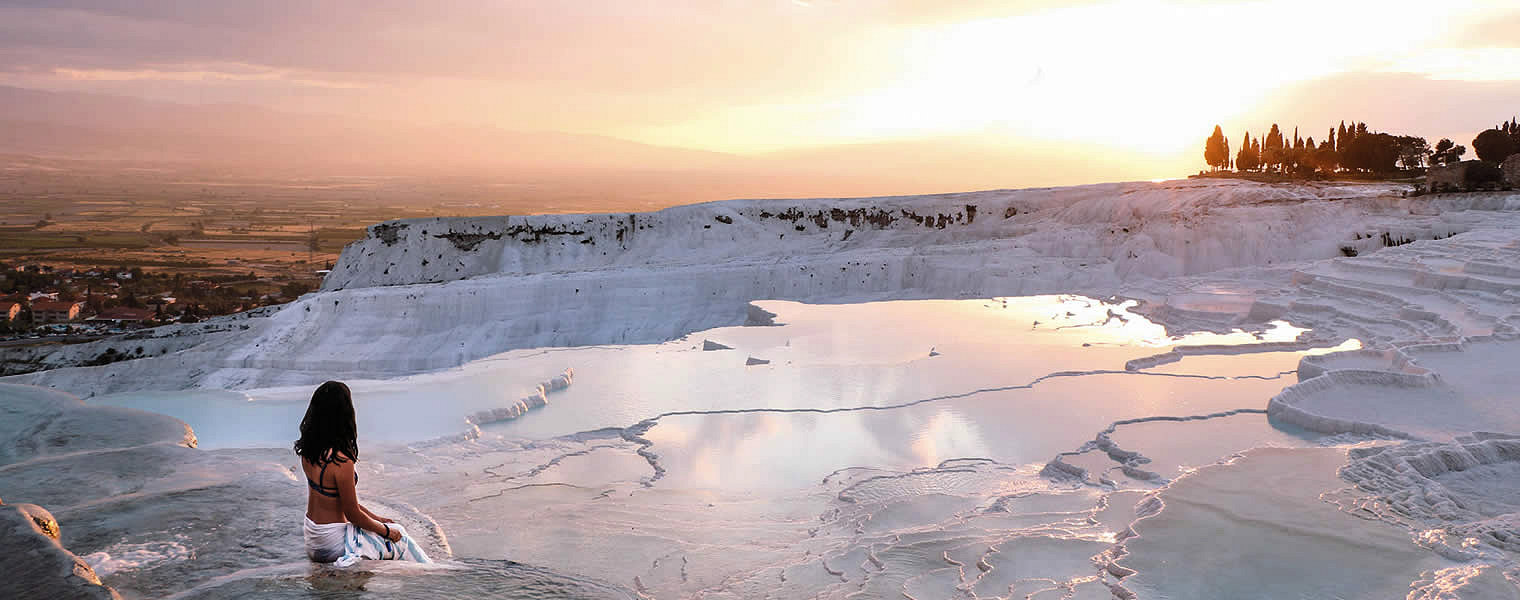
(1142, 80)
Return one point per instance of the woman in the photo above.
(338, 529)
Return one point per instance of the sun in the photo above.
(1141, 75)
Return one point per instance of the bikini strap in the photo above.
(331, 492)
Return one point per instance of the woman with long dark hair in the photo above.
(338, 528)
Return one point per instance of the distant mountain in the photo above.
(254, 140)
(974, 162)
(95, 126)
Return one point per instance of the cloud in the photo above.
(938, 12)
(710, 73)
(467, 60)
(470, 39)
(1496, 32)
(622, 44)
(1394, 102)
(1465, 64)
(202, 73)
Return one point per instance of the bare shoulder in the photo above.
(336, 462)
(340, 462)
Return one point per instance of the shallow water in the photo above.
(822, 357)
(469, 578)
(1269, 532)
(886, 449)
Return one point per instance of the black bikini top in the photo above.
(330, 492)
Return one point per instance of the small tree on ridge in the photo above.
(1216, 151)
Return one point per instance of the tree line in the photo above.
(1352, 148)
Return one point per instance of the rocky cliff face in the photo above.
(446, 249)
(1142, 228)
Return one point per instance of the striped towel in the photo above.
(360, 544)
(344, 544)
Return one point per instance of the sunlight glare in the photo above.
(1046, 75)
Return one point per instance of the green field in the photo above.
(43, 239)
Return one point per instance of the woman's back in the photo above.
(322, 500)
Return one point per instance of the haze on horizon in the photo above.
(813, 96)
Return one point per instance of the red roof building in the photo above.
(122, 315)
(55, 311)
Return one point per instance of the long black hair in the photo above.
(328, 431)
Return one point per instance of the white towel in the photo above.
(344, 544)
(324, 541)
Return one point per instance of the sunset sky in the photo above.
(1137, 78)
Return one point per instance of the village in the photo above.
(43, 303)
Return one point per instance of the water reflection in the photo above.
(823, 357)
(1018, 426)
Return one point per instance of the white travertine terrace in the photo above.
(1040, 469)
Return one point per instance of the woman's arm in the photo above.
(348, 500)
(374, 516)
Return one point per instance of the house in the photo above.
(122, 315)
(55, 311)
(10, 309)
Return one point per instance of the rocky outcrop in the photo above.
(36, 565)
(538, 399)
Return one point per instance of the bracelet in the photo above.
(387, 531)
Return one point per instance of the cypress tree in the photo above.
(1344, 144)
(1216, 151)
(1272, 148)
(1243, 160)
